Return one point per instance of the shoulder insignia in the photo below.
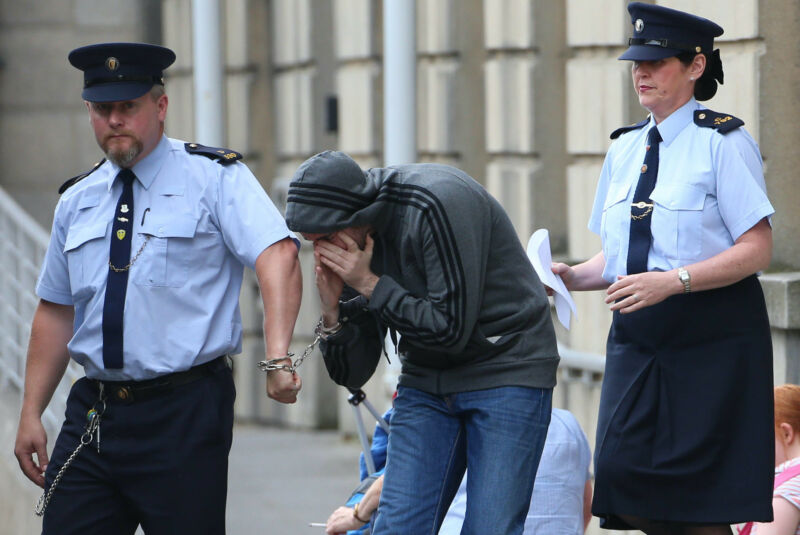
(223, 156)
(74, 180)
(619, 131)
(721, 122)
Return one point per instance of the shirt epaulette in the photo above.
(223, 156)
(721, 122)
(74, 180)
(619, 131)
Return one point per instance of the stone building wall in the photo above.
(520, 93)
(45, 137)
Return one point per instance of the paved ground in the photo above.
(280, 480)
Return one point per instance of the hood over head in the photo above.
(329, 192)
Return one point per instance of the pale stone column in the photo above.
(777, 82)
(598, 101)
(297, 75)
(439, 86)
(45, 132)
(178, 77)
(524, 108)
(358, 82)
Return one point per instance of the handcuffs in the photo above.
(320, 333)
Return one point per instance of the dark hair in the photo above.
(706, 86)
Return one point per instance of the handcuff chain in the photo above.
(270, 365)
(306, 352)
(320, 333)
(92, 426)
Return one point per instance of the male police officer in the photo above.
(140, 285)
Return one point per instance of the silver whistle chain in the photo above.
(93, 417)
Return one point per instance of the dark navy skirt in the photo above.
(685, 431)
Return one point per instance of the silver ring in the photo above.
(635, 298)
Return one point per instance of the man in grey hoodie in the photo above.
(430, 255)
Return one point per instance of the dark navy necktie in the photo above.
(642, 207)
(118, 266)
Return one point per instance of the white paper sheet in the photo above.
(541, 258)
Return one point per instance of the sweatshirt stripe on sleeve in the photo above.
(452, 269)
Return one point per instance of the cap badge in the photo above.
(638, 25)
(112, 63)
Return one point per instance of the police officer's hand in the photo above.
(635, 292)
(351, 263)
(564, 271)
(283, 385)
(32, 438)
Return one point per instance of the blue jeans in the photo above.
(497, 433)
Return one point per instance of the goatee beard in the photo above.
(124, 158)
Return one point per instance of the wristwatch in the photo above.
(686, 279)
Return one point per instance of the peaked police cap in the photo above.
(660, 32)
(114, 72)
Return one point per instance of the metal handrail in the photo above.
(23, 243)
(591, 362)
(11, 210)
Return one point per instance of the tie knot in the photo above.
(653, 136)
(127, 176)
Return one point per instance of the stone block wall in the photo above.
(45, 134)
(599, 92)
(447, 85)
(777, 79)
(521, 94)
(524, 109)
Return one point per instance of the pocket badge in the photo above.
(121, 234)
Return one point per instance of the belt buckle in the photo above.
(124, 393)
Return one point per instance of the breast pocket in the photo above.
(163, 260)
(677, 225)
(614, 225)
(87, 254)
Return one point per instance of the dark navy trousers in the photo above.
(163, 462)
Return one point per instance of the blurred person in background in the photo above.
(786, 493)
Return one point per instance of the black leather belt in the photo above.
(130, 391)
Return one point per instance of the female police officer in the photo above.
(684, 432)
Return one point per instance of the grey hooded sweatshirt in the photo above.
(454, 280)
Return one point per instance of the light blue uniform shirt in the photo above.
(204, 221)
(557, 500)
(710, 190)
